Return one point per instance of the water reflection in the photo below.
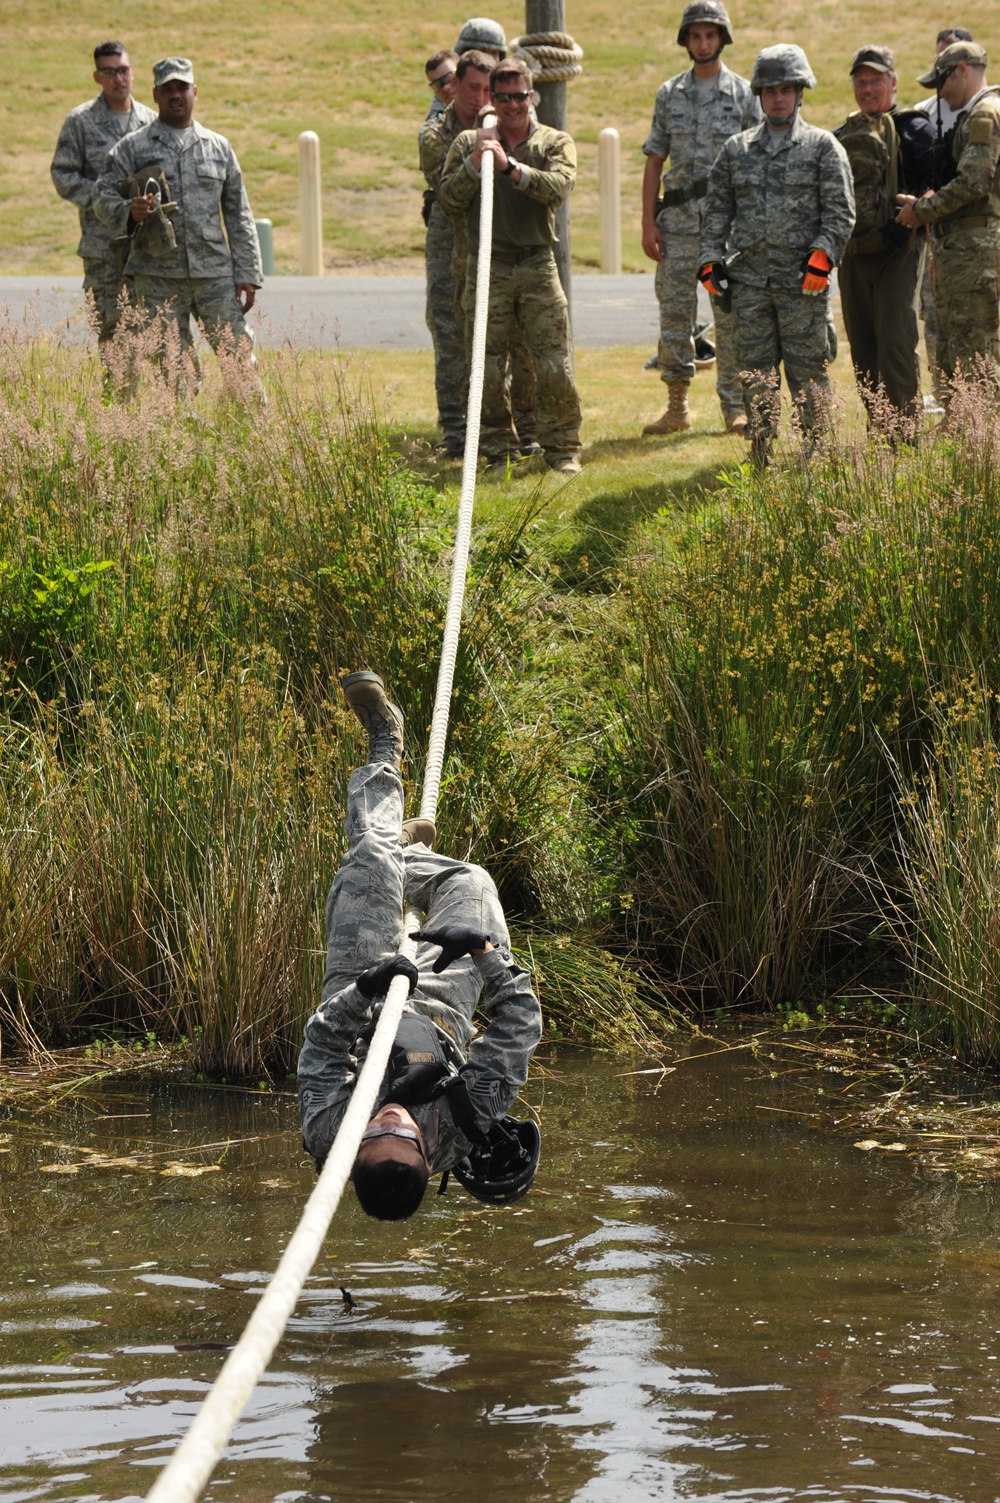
(704, 1299)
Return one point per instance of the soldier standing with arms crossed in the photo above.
(780, 206)
(88, 134)
(964, 220)
(695, 113)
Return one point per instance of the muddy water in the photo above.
(703, 1299)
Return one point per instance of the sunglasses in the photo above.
(519, 97)
(440, 81)
(390, 1132)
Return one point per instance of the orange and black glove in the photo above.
(714, 278)
(816, 269)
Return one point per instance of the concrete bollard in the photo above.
(265, 236)
(310, 207)
(609, 181)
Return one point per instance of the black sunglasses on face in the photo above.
(520, 96)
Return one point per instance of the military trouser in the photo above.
(211, 300)
(928, 314)
(105, 283)
(966, 290)
(526, 291)
(775, 325)
(522, 390)
(450, 370)
(677, 294)
(878, 298)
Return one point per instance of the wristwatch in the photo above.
(511, 165)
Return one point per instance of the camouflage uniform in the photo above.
(525, 290)
(772, 198)
(201, 274)
(690, 124)
(446, 258)
(941, 114)
(88, 134)
(364, 914)
(964, 221)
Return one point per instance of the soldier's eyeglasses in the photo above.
(115, 72)
(440, 81)
(390, 1132)
(944, 77)
(519, 97)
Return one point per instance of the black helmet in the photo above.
(500, 1169)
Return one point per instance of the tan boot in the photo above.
(677, 418)
(736, 422)
(418, 832)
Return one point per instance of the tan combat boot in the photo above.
(736, 422)
(677, 418)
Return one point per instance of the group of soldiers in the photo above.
(741, 194)
(154, 189)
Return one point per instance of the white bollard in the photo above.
(310, 207)
(609, 183)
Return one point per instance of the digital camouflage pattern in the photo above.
(207, 185)
(364, 915)
(211, 300)
(444, 315)
(771, 200)
(689, 128)
(964, 218)
(774, 326)
(89, 132)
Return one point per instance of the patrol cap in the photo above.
(958, 52)
(783, 64)
(172, 67)
(706, 13)
(481, 34)
(882, 59)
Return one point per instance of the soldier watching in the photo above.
(695, 112)
(780, 207)
(535, 169)
(441, 80)
(964, 220)
(889, 149)
(181, 265)
(88, 134)
(445, 252)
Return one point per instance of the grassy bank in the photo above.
(725, 739)
(354, 75)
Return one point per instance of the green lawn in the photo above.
(354, 74)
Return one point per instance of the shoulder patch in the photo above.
(980, 130)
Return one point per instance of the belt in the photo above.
(673, 196)
(514, 258)
(944, 227)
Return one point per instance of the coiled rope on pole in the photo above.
(552, 56)
(194, 1460)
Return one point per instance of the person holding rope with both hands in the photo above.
(444, 1099)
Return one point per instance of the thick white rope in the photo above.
(552, 56)
(194, 1460)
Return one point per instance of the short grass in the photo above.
(353, 73)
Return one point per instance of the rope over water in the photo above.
(194, 1460)
(552, 56)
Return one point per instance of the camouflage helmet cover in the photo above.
(481, 35)
(784, 64)
(706, 13)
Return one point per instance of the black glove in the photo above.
(714, 278)
(425, 212)
(455, 940)
(375, 981)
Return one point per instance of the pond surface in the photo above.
(703, 1299)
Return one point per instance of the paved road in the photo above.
(383, 313)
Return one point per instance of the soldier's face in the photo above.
(176, 100)
(512, 113)
(471, 93)
(704, 42)
(779, 102)
(114, 74)
(875, 92)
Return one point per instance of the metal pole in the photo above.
(609, 188)
(310, 207)
(550, 15)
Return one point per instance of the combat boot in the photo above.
(677, 418)
(418, 832)
(365, 693)
(736, 422)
